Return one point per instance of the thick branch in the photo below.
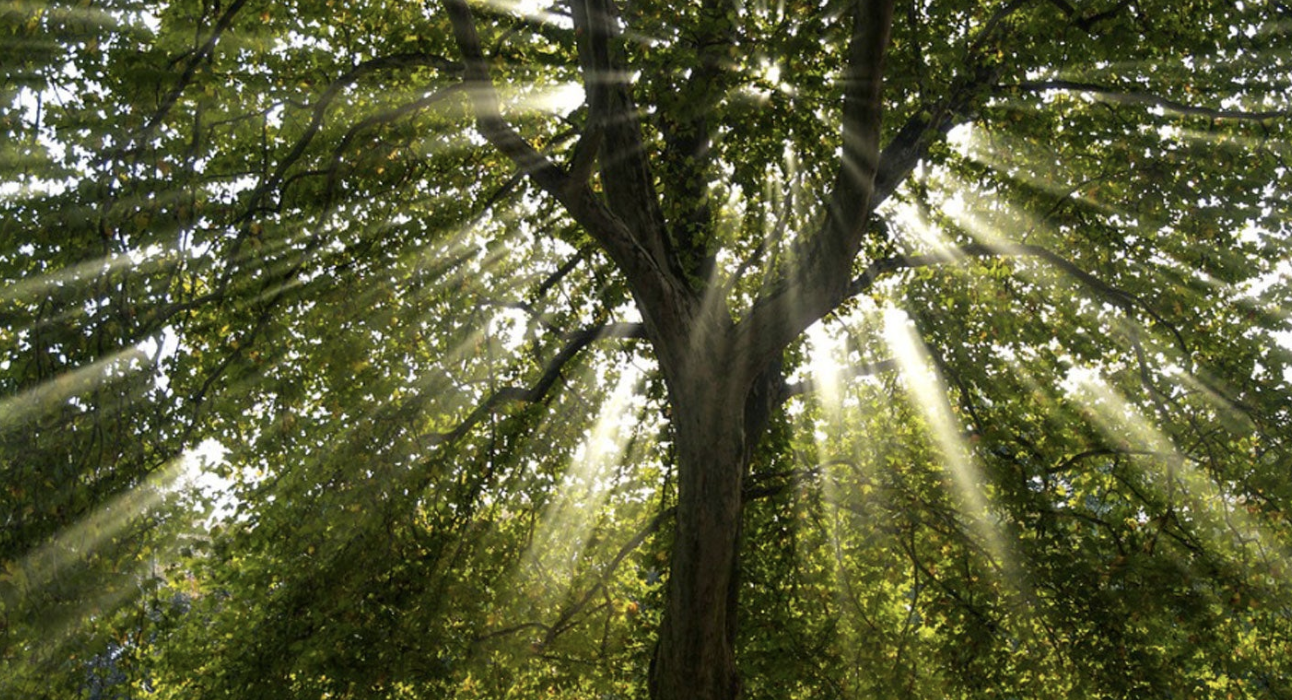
(934, 119)
(911, 143)
(995, 22)
(828, 255)
(927, 126)
(613, 131)
(824, 261)
(561, 272)
(633, 246)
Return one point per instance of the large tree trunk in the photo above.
(694, 659)
(715, 366)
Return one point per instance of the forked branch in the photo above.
(613, 131)
(820, 279)
(633, 245)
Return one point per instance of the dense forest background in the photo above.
(749, 348)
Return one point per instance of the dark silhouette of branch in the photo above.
(487, 106)
(270, 182)
(564, 621)
(759, 486)
(334, 168)
(1114, 295)
(1087, 23)
(995, 22)
(561, 272)
(195, 60)
(528, 309)
(575, 343)
(1143, 98)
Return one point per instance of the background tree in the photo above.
(841, 349)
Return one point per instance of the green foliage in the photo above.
(273, 226)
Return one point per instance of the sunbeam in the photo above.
(823, 351)
(1202, 499)
(28, 289)
(928, 391)
(828, 430)
(569, 519)
(49, 395)
(45, 567)
(87, 573)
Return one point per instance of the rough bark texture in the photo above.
(695, 656)
(720, 379)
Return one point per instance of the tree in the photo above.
(381, 254)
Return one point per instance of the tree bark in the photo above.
(715, 433)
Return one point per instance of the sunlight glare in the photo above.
(915, 225)
(558, 99)
(200, 476)
(1007, 224)
(536, 10)
(56, 563)
(833, 454)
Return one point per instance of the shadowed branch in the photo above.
(575, 343)
(1146, 99)
(1114, 295)
(824, 259)
(613, 131)
(634, 245)
(487, 107)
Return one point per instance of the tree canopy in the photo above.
(855, 349)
